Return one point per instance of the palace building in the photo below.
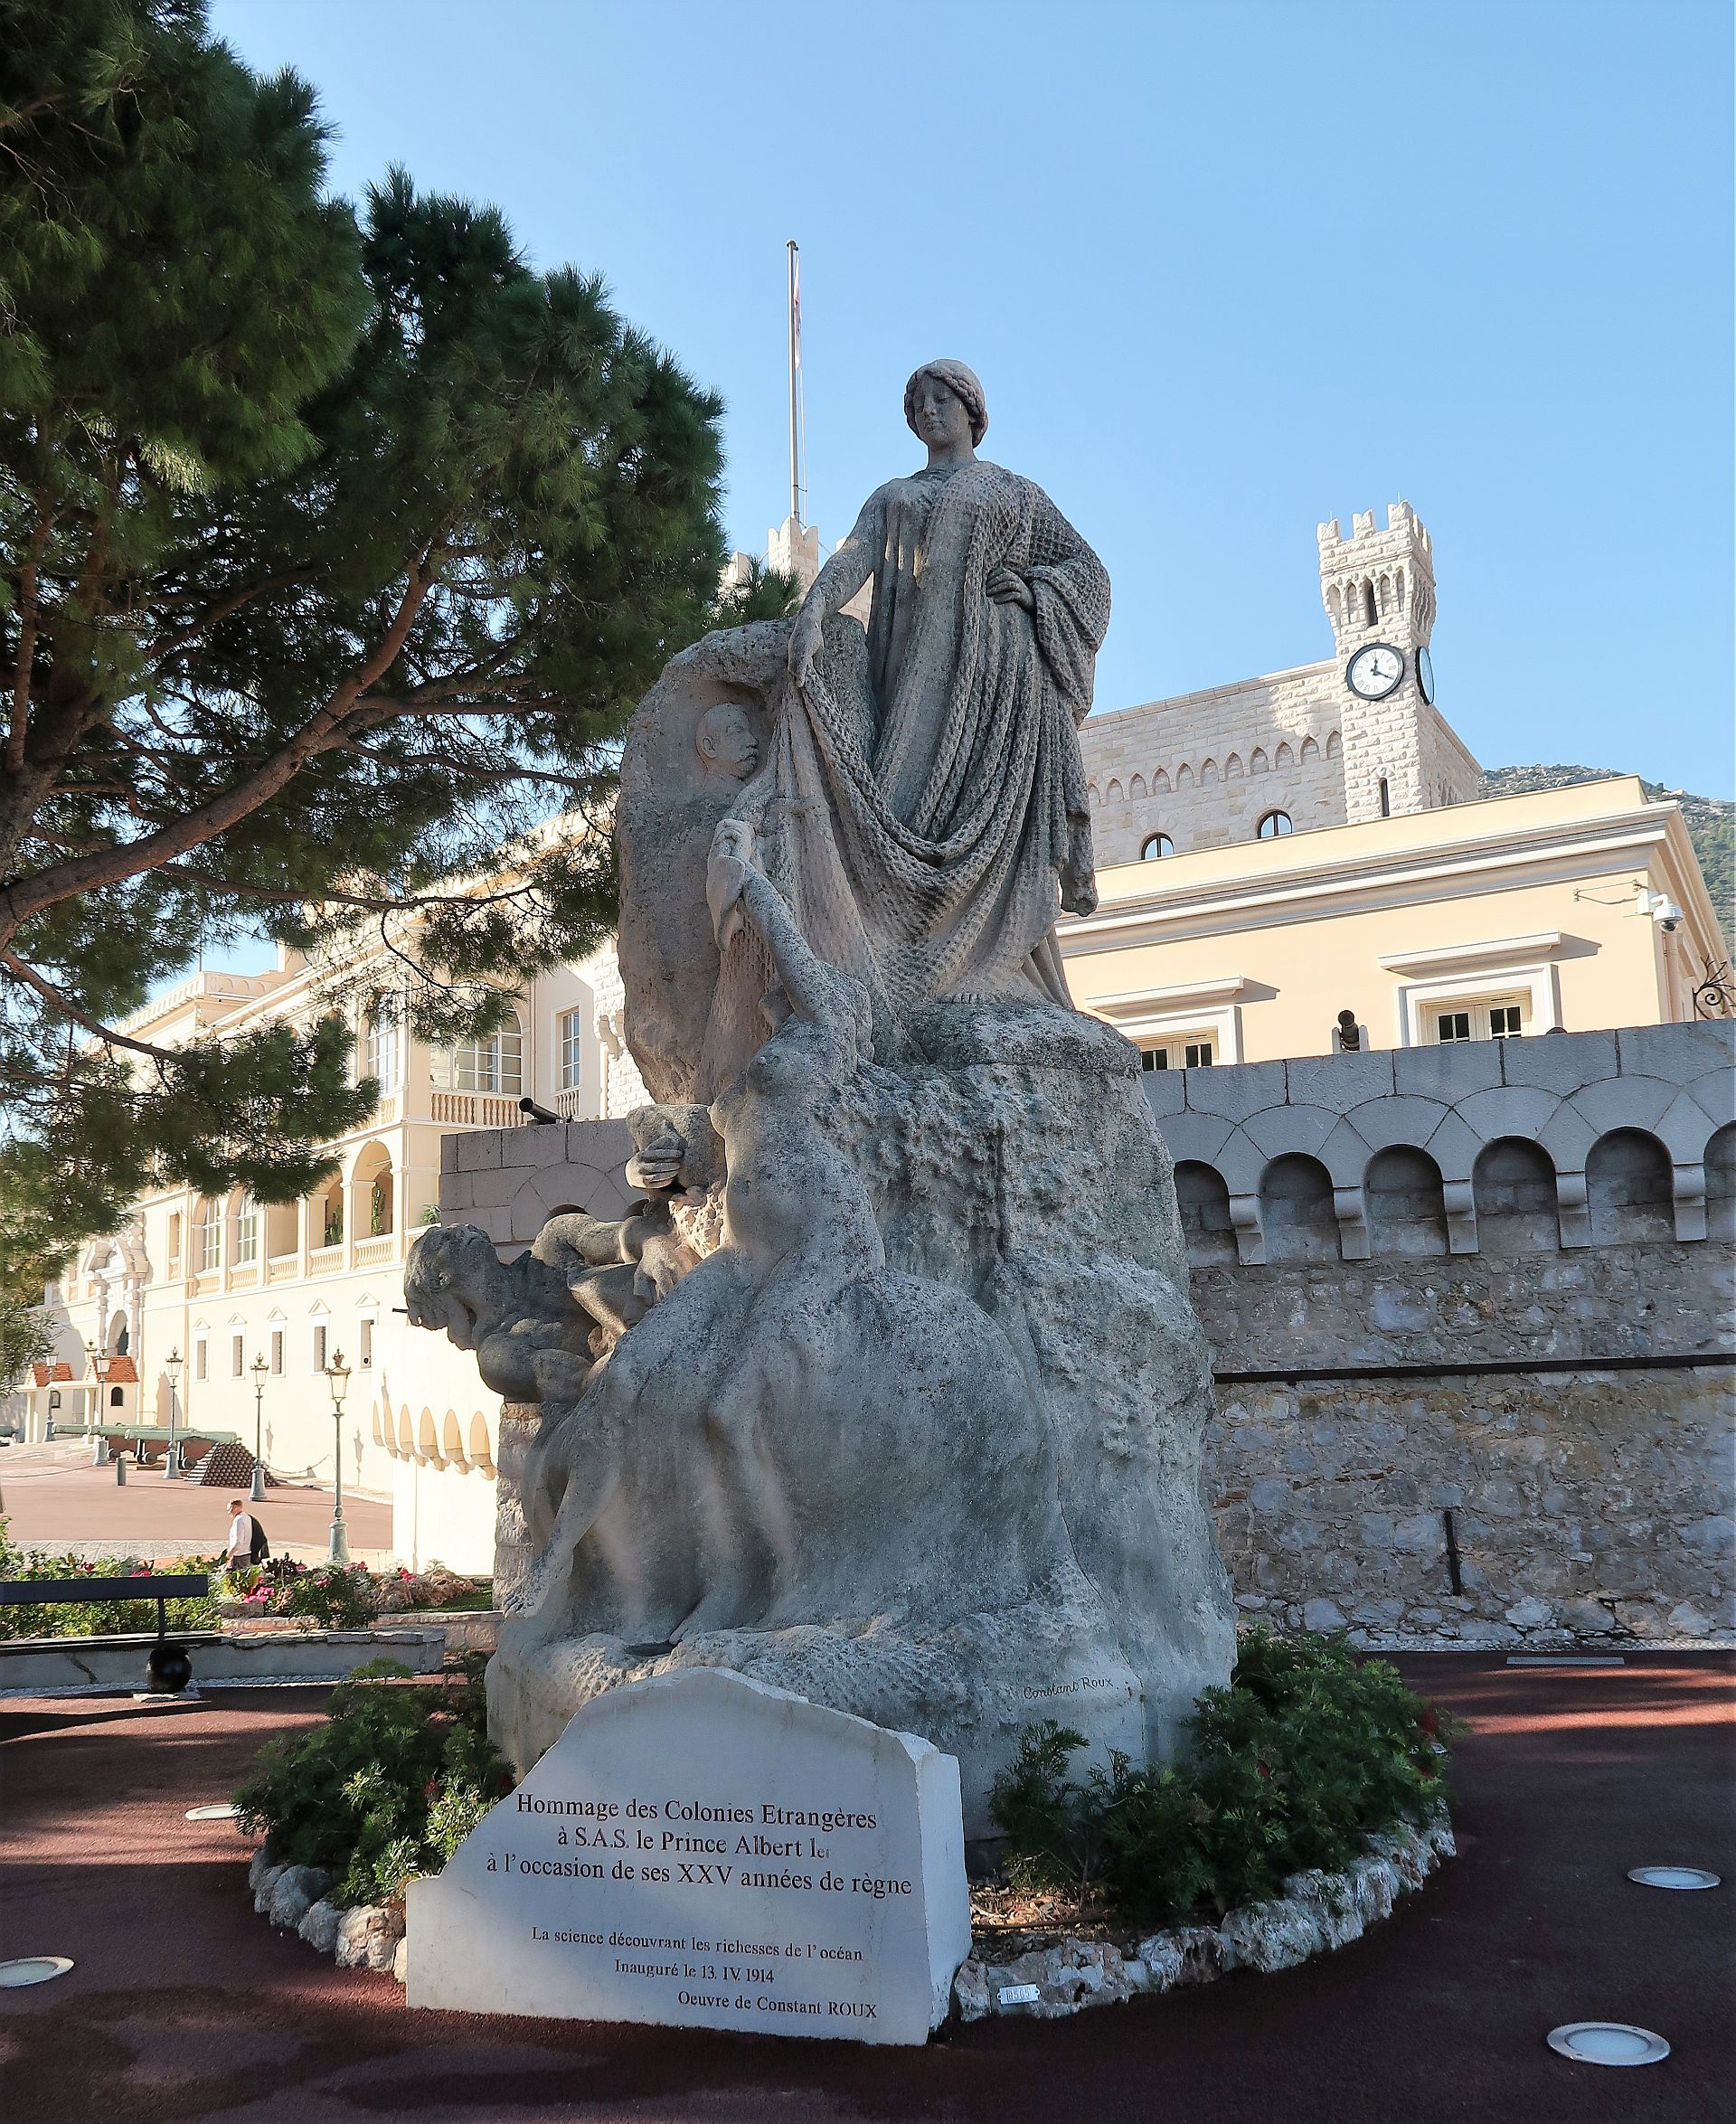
(1289, 866)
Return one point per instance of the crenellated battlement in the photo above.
(1379, 584)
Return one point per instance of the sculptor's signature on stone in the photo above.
(1075, 1688)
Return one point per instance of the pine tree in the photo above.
(334, 546)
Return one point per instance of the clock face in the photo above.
(1426, 676)
(1375, 670)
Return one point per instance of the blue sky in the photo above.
(1225, 269)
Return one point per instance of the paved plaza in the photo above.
(183, 2005)
(52, 1498)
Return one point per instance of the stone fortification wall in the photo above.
(1206, 768)
(1468, 1307)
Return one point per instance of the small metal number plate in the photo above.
(1608, 2043)
(33, 1969)
(1673, 1877)
(1018, 1995)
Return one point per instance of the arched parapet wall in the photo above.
(1566, 1094)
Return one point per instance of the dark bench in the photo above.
(168, 1668)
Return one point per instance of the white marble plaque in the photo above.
(702, 1850)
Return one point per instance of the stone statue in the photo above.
(890, 1392)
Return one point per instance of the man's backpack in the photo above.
(260, 1548)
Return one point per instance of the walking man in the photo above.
(245, 1542)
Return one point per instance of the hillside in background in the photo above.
(1711, 822)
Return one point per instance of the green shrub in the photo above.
(386, 1789)
(1307, 1753)
(337, 1596)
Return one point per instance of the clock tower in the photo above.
(1378, 587)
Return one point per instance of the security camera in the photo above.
(1671, 921)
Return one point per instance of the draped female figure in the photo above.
(923, 807)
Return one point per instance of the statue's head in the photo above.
(724, 741)
(926, 394)
(454, 1281)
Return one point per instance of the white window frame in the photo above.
(1533, 988)
(1480, 1011)
(573, 1027)
(246, 1230)
(380, 1049)
(1177, 1047)
(1187, 1012)
(484, 1065)
(210, 1238)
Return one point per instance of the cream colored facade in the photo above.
(1422, 927)
(224, 1282)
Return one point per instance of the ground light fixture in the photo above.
(218, 1811)
(1608, 2043)
(33, 1969)
(259, 1368)
(1673, 1877)
(338, 1377)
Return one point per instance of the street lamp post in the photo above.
(171, 1462)
(99, 1362)
(259, 1369)
(338, 1377)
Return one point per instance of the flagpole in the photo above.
(795, 365)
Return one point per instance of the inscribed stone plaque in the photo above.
(702, 1850)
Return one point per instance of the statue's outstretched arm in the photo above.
(737, 889)
(851, 565)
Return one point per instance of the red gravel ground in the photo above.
(51, 1498)
(184, 2005)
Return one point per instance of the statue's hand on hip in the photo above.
(1008, 586)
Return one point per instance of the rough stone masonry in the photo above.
(1566, 1212)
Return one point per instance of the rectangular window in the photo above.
(246, 1230)
(211, 1240)
(573, 1048)
(236, 1358)
(1483, 1019)
(319, 1349)
(175, 1237)
(1180, 1053)
(364, 1335)
(277, 1351)
(201, 1358)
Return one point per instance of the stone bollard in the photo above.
(120, 1471)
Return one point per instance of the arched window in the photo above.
(328, 1213)
(381, 1053)
(1203, 1201)
(1274, 826)
(1296, 1209)
(1513, 1184)
(372, 1189)
(1370, 609)
(1157, 844)
(493, 1064)
(1628, 1188)
(1406, 1213)
(247, 1230)
(1721, 1183)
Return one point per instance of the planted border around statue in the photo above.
(702, 1850)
